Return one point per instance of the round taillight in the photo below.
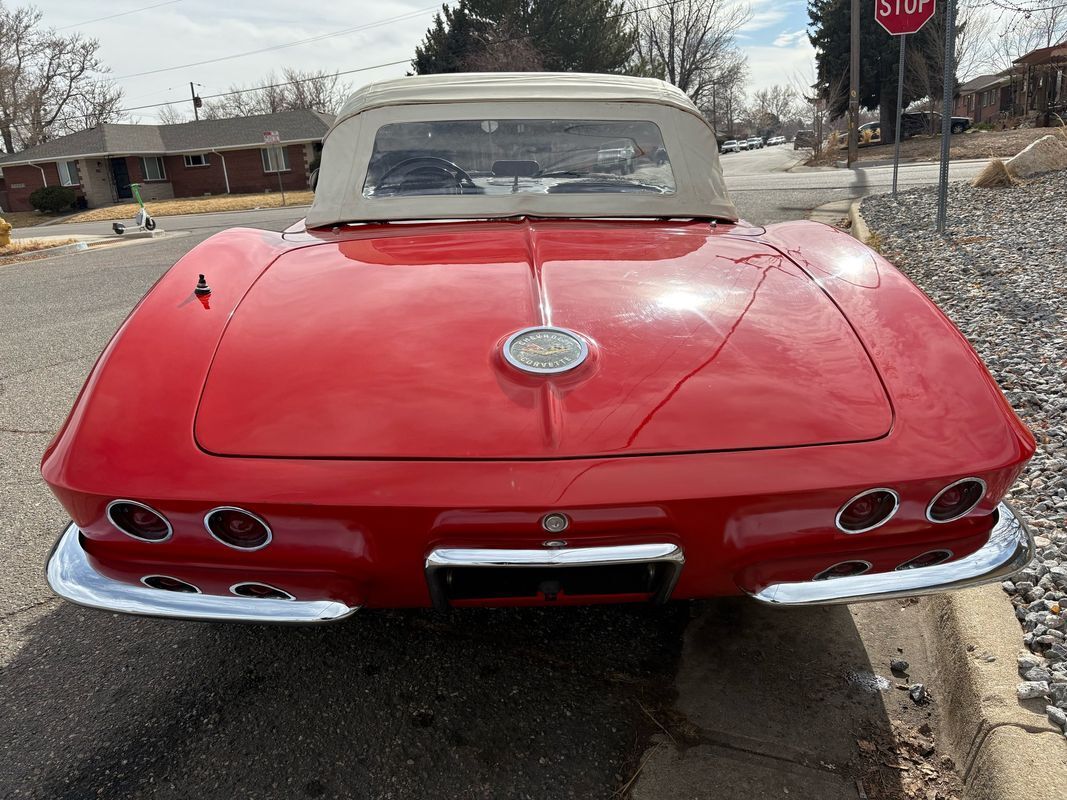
(867, 510)
(843, 570)
(930, 559)
(235, 527)
(956, 500)
(260, 590)
(169, 584)
(139, 521)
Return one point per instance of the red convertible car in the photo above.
(522, 351)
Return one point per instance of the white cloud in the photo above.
(791, 64)
(788, 39)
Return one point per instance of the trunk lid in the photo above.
(388, 345)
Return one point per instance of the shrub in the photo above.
(52, 198)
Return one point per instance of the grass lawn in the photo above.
(195, 205)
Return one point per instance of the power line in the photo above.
(344, 72)
(249, 89)
(120, 14)
(309, 40)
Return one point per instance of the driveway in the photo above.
(720, 700)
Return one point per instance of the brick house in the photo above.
(190, 159)
(985, 98)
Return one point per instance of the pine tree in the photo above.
(563, 35)
(879, 60)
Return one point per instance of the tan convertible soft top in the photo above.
(700, 190)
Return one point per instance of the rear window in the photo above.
(518, 156)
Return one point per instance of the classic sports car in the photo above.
(489, 369)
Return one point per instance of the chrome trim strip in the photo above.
(880, 523)
(1008, 549)
(236, 586)
(866, 568)
(145, 580)
(259, 519)
(445, 557)
(146, 507)
(930, 505)
(73, 578)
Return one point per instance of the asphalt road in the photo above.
(719, 700)
(768, 185)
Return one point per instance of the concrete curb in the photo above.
(859, 224)
(1005, 749)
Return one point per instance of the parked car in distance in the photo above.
(776, 140)
(755, 143)
(730, 146)
(618, 157)
(487, 370)
(874, 127)
(915, 123)
(804, 138)
(743, 144)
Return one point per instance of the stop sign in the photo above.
(903, 16)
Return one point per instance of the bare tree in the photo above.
(169, 115)
(690, 43)
(48, 82)
(502, 48)
(1019, 33)
(775, 104)
(318, 90)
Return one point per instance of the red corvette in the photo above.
(522, 351)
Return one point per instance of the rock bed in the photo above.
(1002, 277)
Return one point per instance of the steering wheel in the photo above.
(427, 166)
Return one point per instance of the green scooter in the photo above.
(143, 220)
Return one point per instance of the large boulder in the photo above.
(1047, 154)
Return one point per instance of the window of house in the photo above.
(68, 173)
(275, 159)
(152, 169)
(196, 160)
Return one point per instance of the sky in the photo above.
(160, 34)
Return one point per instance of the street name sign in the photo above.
(901, 17)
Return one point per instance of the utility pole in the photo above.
(854, 84)
(197, 102)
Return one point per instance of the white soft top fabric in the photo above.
(689, 140)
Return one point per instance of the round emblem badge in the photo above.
(545, 350)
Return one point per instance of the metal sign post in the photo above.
(274, 138)
(899, 18)
(900, 112)
(946, 113)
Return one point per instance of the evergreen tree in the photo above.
(565, 35)
(879, 60)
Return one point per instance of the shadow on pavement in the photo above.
(477, 704)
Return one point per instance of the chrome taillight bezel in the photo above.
(273, 588)
(146, 507)
(880, 523)
(220, 540)
(146, 578)
(965, 512)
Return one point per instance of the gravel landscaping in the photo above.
(1002, 277)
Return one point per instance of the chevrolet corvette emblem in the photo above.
(545, 350)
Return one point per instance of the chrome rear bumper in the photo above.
(1009, 548)
(73, 578)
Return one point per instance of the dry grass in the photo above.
(25, 219)
(29, 249)
(994, 175)
(195, 205)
